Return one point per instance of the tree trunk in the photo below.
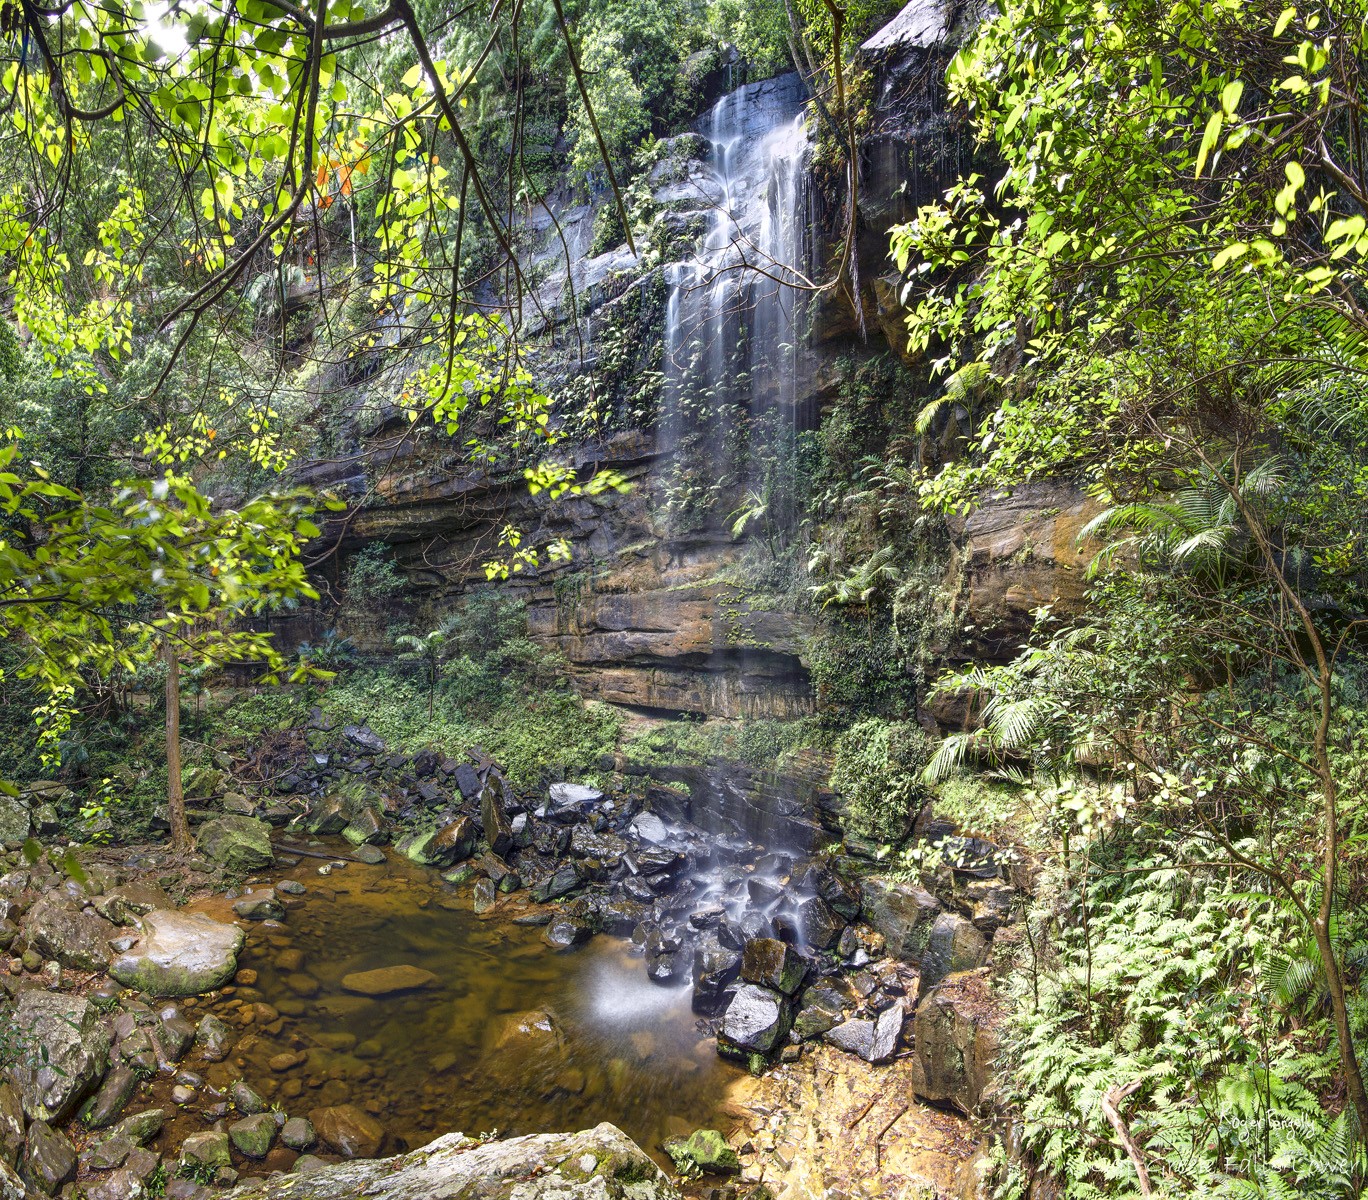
(175, 788)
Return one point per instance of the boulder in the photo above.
(107, 1105)
(387, 981)
(348, 1130)
(363, 737)
(49, 1159)
(901, 912)
(260, 906)
(954, 945)
(773, 964)
(954, 1033)
(821, 1010)
(756, 1021)
(141, 1127)
(75, 1042)
(705, 1151)
(714, 968)
(564, 932)
(453, 842)
(818, 924)
(179, 954)
(327, 816)
(205, 1153)
(649, 828)
(213, 1038)
(59, 930)
(14, 821)
(597, 1164)
(241, 844)
(298, 1134)
(561, 882)
(370, 855)
(874, 1041)
(253, 1135)
(11, 1125)
(498, 829)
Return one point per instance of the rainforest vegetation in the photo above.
(253, 249)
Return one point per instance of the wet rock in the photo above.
(954, 945)
(818, 925)
(843, 898)
(561, 882)
(990, 905)
(213, 1038)
(203, 1153)
(260, 906)
(76, 1044)
(901, 912)
(254, 1135)
(621, 914)
(485, 896)
(453, 842)
(327, 816)
(773, 964)
(290, 887)
(467, 782)
(370, 855)
(664, 967)
(246, 1099)
(363, 737)
(757, 1020)
(237, 843)
(11, 1126)
(179, 954)
(821, 1010)
(567, 801)
(498, 830)
(597, 1164)
(173, 1035)
(49, 1159)
(298, 1134)
(106, 1154)
(874, 1041)
(60, 931)
(649, 828)
(715, 966)
(705, 1151)
(955, 1036)
(606, 848)
(141, 1127)
(366, 828)
(564, 932)
(348, 1130)
(388, 981)
(106, 1106)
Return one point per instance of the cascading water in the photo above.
(734, 310)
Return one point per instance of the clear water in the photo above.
(513, 1036)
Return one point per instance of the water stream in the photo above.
(510, 1035)
(733, 313)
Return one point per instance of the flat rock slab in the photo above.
(597, 1164)
(179, 954)
(385, 981)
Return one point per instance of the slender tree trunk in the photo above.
(175, 788)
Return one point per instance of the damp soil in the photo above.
(508, 1034)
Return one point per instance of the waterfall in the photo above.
(733, 315)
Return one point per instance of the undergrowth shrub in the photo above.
(877, 771)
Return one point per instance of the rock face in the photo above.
(238, 843)
(179, 954)
(956, 1041)
(954, 945)
(902, 912)
(597, 1164)
(75, 1042)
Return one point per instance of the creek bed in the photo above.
(510, 1035)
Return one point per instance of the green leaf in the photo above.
(1209, 136)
